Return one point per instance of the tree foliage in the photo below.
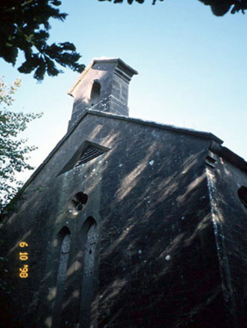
(219, 7)
(13, 151)
(24, 26)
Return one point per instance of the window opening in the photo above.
(90, 251)
(61, 276)
(85, 153)
(89, 239)
(78, 202)
(95, 93)
(89, 154)
(63, 261)
(242, 194)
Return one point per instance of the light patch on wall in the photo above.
(47, 322)
(168, 186)
(96, 131)
(52, 293)
(24, 237)
(117, 241)
(189, 163)
(217, 216)
(54, 243)
(59, 218)
(200, 227)
(110, 139)
(191, 186)
(130, 181)
(76, 293)
(114, 289)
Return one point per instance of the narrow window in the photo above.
(89, 237)
(63, 261)
(89, 257)
(65, 240)
(95, 93)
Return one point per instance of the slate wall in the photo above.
(155, 262)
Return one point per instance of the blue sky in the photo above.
(191, 64)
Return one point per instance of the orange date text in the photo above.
(23, 256)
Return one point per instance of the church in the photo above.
(127, 223)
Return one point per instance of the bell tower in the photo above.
(102, 86)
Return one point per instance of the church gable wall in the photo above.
(148, 201)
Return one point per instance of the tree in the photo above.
(219, 7)
(13, 151)
(24, 26)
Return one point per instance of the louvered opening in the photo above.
(89, 154)
(85, 153)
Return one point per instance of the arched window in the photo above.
(89, 257)
(63, 260)
(89, 238)
(64, 238)
(95, 93)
